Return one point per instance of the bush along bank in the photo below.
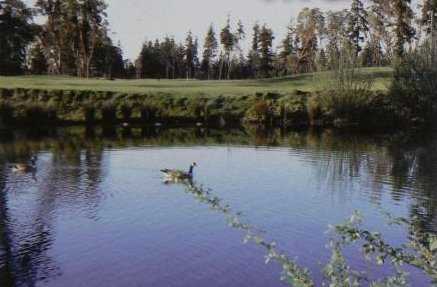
(32, 107)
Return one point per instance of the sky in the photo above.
(134, 21)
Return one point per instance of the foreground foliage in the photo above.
(419, 252)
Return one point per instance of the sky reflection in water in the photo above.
(99, 213)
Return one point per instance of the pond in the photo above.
(97, 213)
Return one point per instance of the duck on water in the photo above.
(176, 175)
(25, 167)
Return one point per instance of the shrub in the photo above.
(294, 110)
(36, 113)
(109, 112)
(197, 109)
(414, 87)
(148, 112)
(261, 111)
(6, 112)
(51, 112)
(6, 93)
(89, 112)
(126, 110)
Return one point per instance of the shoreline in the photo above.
(22, 107)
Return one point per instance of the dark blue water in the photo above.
(96, 212)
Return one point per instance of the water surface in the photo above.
(96, 212)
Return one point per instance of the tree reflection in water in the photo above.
(26, 234)
(76, 158)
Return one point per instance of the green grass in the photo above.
(284, 85)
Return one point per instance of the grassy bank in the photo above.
(304, 82)
(286, 101)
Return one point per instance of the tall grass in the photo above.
(345, 92)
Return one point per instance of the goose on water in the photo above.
(25, 167)
(178, 175)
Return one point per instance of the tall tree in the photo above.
(90, 27)
(190, 54)
(72, 32)
(238, 36)
(254, 56)
(309, 25)
(337, 35)
(358, 25)
(37, 60)
(209, 52)
(403, 29)
(287, 52)
(380, 38)
(227, 41)
(266, 54)
(149, 63)
(53, 33)
(16, 32)
(167, 52)
(429, 20)
(108, 60)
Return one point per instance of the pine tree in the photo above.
(358, 25)
(287, 50)
(265, 47)
(403, 29)
(238, 36)
(196, 61)
(209, 52)
(429, 20)
(190, 55)
(168, 51)
(227, 40)
(254, 57)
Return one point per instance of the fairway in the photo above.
(283, 85)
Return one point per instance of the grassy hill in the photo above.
(284, 85)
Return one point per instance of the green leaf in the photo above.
(433, 246)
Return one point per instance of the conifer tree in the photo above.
(403, 29)
(228, 41)
(287, 50)
(265, 47)
(358, 25)
(429, 20)
(209, 52)
(189, 55)
(254, 57)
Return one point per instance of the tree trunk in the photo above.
(434, 38)
(221, 68)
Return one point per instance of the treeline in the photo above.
(74, 40)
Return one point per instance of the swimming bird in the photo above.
(178, 175)
(24, 167)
